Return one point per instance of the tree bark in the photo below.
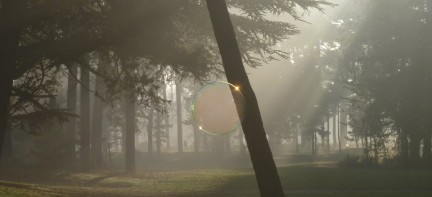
(179, 117)
(130, 136)
(85, 119)
(72, 108)
(261, 155)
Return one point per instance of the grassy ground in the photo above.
(300, 180)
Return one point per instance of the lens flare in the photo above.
(218, 107)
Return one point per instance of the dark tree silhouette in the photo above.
(96, 133)
(85, 119)
(130, 136)
(9, 42)
(261, 155)
(166, 118)
(71, 107)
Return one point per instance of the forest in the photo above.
(215, 98)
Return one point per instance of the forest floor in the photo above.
(319, 179)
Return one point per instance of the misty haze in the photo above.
(215, 98)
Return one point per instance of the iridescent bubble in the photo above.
(218, 107)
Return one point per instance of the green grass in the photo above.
(297, 181)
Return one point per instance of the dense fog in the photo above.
(221, 98)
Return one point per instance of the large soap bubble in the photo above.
(214, 107)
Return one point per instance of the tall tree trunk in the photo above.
(123, 105)
(366, 142)
(7, 146)
(9, 39)
(313, 142)
(158, 132)
(179, 117)
(98, 109)
(5, 94)
(414, 148)
(72, 108)
(305, 137)
(296, 139)
(130, 136)
(375, 150)
(339, 131)
(262, 159)
(328, 130)
(219, 145)
(166, 117)
(196, 136)
(227, 143)
(85, 119)
(205, 139)
(150, 132)
(356, 141)
(335, 142)
(343, 125)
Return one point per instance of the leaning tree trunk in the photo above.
(98, 109)
(261, 155)
(130, 136)
(71, 106)
(179, 117)
(85, 119)
(9, 41)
